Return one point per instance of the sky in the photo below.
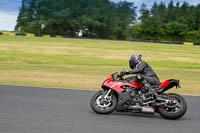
(9, 10)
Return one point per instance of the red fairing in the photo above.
(116, 85)
(137, 85)
(164, 84)
(110, 77)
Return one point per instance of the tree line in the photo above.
(109, 20)
(172, 22)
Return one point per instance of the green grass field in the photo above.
(84, 64)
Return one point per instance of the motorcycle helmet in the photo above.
(134, 60)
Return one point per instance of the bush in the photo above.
(192, 36)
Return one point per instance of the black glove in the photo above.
(122, 73)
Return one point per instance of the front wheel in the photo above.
(175, 109)
(102, 105)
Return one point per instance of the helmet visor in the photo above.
(132, 62)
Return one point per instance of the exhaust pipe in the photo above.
(147, 109)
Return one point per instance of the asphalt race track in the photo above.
(49, 110)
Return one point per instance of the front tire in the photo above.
(173, 111)
(103, 107)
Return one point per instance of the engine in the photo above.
(134, 95)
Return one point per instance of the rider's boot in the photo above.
(151, 93)
(147, 86)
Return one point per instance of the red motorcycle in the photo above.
(121, 95)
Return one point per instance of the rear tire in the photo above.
(103, 109)
(177, 112)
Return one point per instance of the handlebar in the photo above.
(116, 75)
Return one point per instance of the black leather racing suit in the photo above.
(146, 72)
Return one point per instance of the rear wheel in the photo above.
(175, 109)
(102, 105)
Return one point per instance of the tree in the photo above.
(154, 9)
(22, 17)
(109, 20)
(151, 28)
(162, 12)
(171, 14)
(96, 18)
(176, 30)
(145, 13)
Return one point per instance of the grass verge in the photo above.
(84, 64)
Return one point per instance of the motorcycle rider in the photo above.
(145, 74)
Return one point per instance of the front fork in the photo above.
(106, 94)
